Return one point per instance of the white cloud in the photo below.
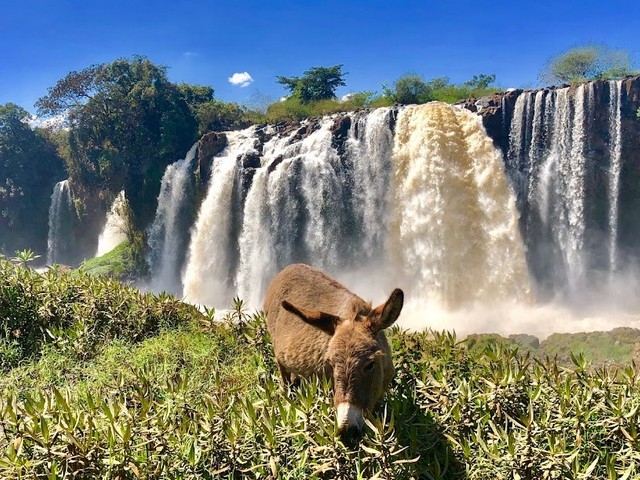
(190, 54)
(241, 79)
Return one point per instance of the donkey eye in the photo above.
(369, 366)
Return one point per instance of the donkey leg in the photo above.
(289, 379)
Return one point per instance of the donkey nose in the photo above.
(350, 435)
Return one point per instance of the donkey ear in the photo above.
(324, 321)
(384, 315)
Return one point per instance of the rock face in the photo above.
(210, 145)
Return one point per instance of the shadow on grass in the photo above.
(423, 437)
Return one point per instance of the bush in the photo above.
(76, 312)
(191, 404)
(125, 262)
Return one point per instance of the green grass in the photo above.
(615, 347)
(121, 263)
(202, 399)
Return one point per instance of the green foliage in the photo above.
(615, 347)
(411, 88)
(317, 83)
(218, 116)
(292, 109)
(205, 401)
(125, 262)
(586, 62)
(29, 168)
(127, 123)
(24, 257)
(77, 313)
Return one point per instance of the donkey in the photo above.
(319, 326)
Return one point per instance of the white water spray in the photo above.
(116, 226)
(455, 219)
(208, 278)
(615, 165)
(167, 237)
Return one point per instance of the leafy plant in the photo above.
(202, 399)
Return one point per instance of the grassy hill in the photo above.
(106, 382)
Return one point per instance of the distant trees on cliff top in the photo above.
(587, 62)
(127, 122)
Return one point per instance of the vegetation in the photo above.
(317, 83)
(586, 62)
(75, 312)
(292, 109)
(127, 122)
(411, 88)
(125, 262)
(29, 168)
(105, 382)
(616, 347)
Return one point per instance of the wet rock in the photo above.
(210, 145)
(340, 133)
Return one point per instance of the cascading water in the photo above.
(168, 234)
(209, 275)
(428, 208)
(315, 206)
(115, 228)
(60, 224)
(455, 219)
(615, 152)
(547, 142)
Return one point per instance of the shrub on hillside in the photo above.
(188, 405)
(76, 312)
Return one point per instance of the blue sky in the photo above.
(207, 42)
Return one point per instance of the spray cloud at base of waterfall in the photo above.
(116, 226)
(167, 236)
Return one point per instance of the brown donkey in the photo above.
(318, 326)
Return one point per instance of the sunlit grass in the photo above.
(201, 399)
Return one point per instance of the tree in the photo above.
(127, 122)
(480, 82)
(220, 116)
(29, 168)
(409, 88)
(586, 62)
(317, 83)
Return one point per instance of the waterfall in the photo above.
(426, 206)
(615, 152)
(60, 224)
(455, 233)
(116, 226)
(547, 143)
(168, 234)
(209, 275)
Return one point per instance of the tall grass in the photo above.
(202, 399)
